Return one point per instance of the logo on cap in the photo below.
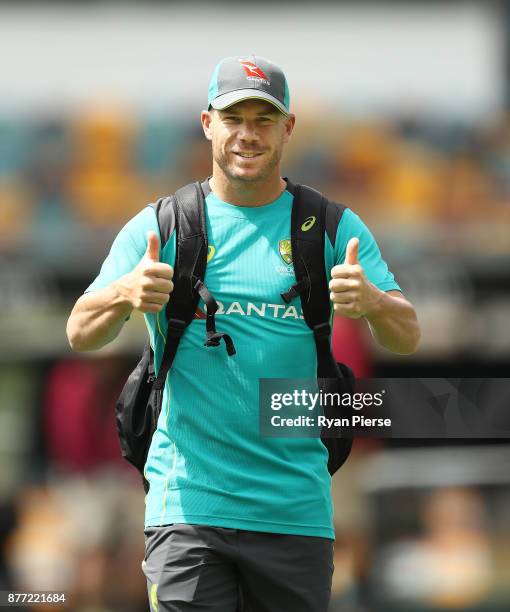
(254, 72)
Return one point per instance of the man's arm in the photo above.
(394, 324)
(392, 318)
(98, 316)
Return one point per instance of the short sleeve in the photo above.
(127, 249)
(376, 269)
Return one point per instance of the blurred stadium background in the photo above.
(402, 114)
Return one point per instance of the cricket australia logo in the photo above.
(285, 248)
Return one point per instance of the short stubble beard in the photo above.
(264, 172)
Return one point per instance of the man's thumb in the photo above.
(152, 246)
(351, 252)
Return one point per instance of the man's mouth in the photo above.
(246, 155)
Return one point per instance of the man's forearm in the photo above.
(97, 318)
(394, 324)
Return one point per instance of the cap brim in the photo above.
(232, 97)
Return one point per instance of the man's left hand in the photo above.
(352, 294)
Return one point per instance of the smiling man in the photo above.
(233, 520)
(245, 164)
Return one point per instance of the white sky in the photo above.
(445, 59)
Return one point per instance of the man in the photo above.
(231, 516)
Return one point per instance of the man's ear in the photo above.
(290, 121)
(206, 118)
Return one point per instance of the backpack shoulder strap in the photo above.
(191, 250)
(183, 213)
(166, 215)
(313, 216)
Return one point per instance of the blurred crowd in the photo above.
(409, 537)
(94, 169)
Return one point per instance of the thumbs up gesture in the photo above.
(152, 252)
(148, 286)
(351, 293)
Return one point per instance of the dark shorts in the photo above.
(196, 567)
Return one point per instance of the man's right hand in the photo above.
(147, 288)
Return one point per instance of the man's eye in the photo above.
(231, 119)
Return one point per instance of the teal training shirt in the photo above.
(207, 463)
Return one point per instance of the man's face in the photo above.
(247, 139)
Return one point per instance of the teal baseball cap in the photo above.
(248, 77)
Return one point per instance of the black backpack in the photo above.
(313, 215)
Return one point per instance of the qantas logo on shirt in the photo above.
(252, 309)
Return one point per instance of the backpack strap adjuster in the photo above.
(176, 328)
(321, 331)
(213, 337)
(296, 289)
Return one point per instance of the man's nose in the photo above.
(248, 131)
